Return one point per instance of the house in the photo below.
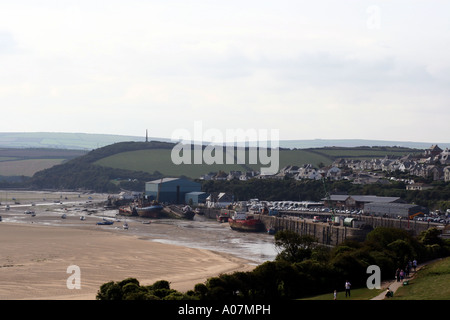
(447, 174)
(334, 173)
(433, 151)
(418, 186)
(444, 157)
(219, 200)
(234, 175)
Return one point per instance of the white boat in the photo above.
(82, 218)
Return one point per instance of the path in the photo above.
(394, 285)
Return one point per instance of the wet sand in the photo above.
(36, 251)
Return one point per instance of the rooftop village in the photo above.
(434, 163)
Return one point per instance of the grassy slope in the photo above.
(431, 283)
(160, 160)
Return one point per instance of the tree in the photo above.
(295, 247)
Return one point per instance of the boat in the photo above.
(82, 218)
(150, 211)
(63, 216)
(242, 221)
(125, 226)
(105, 222)
(127, 211)
(187, 213)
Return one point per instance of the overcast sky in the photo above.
(311, 69)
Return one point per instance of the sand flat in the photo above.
(34, 261)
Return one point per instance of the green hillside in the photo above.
(151, 160)
(129, 164)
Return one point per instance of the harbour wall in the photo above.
(324, 233)
(332, 234)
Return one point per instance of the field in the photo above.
(152, 160)
(26, 162)
(160, 160)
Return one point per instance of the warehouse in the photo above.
(394, 210)
(195, 197)
(170, 190)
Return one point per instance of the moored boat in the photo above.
(241, 221)
(151, 211)
(127, 210)
(105, 222)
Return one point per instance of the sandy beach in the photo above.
(34, 262)
(34, 258)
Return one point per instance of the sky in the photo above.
(350, 69)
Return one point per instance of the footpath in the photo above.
(394, 285)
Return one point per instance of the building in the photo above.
(195, 197)
(352, 202)
(394, 210)
(170, 190)
(418, 186)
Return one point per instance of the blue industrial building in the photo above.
(171, 190)
(195, 197)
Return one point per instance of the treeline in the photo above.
(303, 268)
(311, 190)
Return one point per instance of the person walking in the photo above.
(397, 274)
(347, 288)
(414, 263)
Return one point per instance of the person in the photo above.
(347, 288)
(389, 293)
(415, 265)
(335, 295)
(397, 274)
(402, 275)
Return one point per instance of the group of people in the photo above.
(401, 274)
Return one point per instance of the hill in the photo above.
(129, 164)
(90, 141)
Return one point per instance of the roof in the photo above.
(391, 205)
(362, 198)
(163, 180)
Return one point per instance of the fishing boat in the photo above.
(242, 221)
